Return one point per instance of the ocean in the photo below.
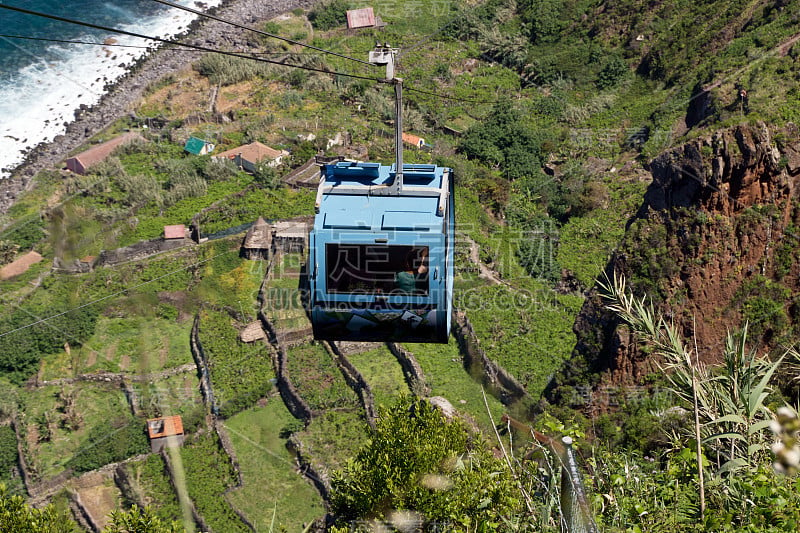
(43, 83)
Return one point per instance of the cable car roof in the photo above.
(361, 196)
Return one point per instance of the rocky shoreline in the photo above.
(119, 99)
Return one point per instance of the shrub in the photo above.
(227, 70)
(613, 72)
(8, 452)
(110, 442)
(419, 461)
(329, 15)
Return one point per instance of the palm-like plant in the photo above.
(728, 401)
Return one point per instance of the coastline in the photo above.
(128, 89)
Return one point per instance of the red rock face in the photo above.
(722, 213)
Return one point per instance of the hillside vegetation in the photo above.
(649, 140)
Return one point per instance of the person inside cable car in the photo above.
(414, 272)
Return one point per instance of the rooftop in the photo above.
(176, 231)
(253, 152)
(350, 198)
(164, 427)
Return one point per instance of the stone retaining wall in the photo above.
(355, 380)
(495, 376)
(415, 377)
(202, 366)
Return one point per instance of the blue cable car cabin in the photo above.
(381, 253)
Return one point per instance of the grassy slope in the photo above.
(271, 483)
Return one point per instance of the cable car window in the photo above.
(376, 269)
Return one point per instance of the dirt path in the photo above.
(485, 272)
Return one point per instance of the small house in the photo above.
(249, 156)
(257, 241)
(175, 231)
(290, 237)
(413, 140)
(164, 432)
(80, 163)
(198, 146)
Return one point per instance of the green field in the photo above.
(274, 496)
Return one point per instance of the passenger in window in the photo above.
(415, 269)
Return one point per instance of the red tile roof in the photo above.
(413, 140)
(176, 231)
(361, 18)
(81, 162)
(253, 152)
(164, 427)
(21, 265)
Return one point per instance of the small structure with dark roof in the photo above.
(257, 241)
(198, 146)
(81, 162)
(290, 236)
(165, 431)
(248, 156)
(175, 231)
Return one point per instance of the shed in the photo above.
(413, 140)
(198, 146)
(165, 431)
(290, 236)
(252, 332)
(81, 162)
(361, 18)
(176, 231)
(248, 156)
(257, 241)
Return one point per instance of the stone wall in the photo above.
(354, 380)
(496, 377)
(415, 377)
(138, 251)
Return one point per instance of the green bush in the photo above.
(503, 139)
(26, 233)
(8, 453)
(612, 73)
(110, 442)
(208, 474)
(419, 461)
(227, 70)
(18, 517)
(329, 15)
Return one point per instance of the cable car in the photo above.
(381, 253)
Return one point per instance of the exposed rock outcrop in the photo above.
(716, 229)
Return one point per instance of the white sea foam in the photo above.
(39, 100)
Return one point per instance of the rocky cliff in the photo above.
(714, 244)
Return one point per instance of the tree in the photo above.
(267, 177)
(545, 17)
(613, 71)
(504, 140)
(138, 520)
(423, 467)
(18, 517)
